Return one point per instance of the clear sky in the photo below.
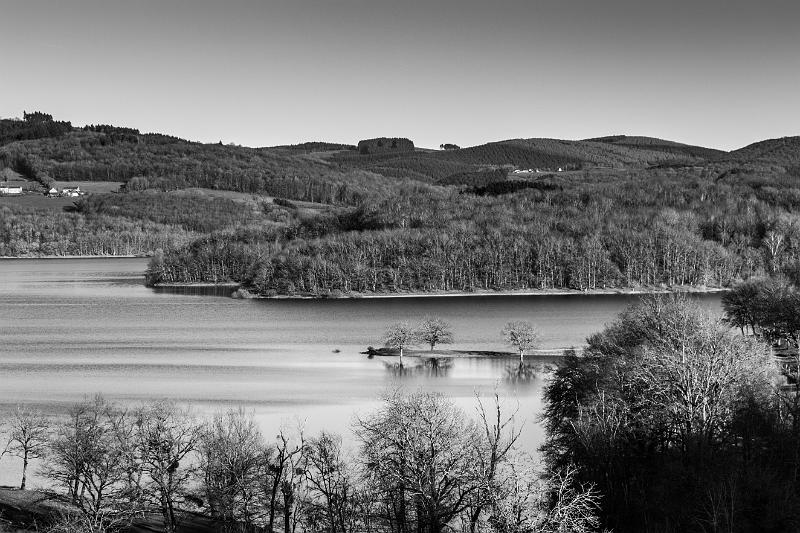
(719, 73)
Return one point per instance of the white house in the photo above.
(6, 189)
(72, 192)
(52, 192)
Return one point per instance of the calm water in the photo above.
(74, 327)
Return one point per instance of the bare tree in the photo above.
(399, 335)
(231, 450)
(166, 435)
(522, 336)
(419, 453)
(572, 508)
(285, 468)
(29, 437)
(92, 457)
(433, 331)
(335, 496)
(498, 435)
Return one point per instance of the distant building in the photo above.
(72, 192)
(9, 190)
(53, 192)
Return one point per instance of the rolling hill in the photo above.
(784, 152)
(44, 149)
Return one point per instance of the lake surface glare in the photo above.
(71, 328)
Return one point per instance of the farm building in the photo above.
(72, 192)
(7, 190)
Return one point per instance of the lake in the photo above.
(70, 328)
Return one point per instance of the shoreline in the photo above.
(552, 292)
(537, 355)
(34, 257)
(459, 294)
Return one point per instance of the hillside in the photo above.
(660, 145)
(44, 149)
(166, 163)
(783, 152)
(545, 154)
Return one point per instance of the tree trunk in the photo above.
(521, 357)
(401, 357)
(24, 470)
(473, 519)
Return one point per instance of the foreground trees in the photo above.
(28, 438)
(92, 460)
(165, 436)
(421, 465)
(674, 419)
(419, 452)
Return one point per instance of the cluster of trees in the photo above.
(32, 232)
(765, 307)
(385, 144)
(34, 125)
(433, 330)
(194, 212)
(496, 188)
(679, 423)
(421, 464)
(479, 178)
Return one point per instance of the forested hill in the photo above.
(783, 152)
(325, 219)
(44, 149)
(652, 144)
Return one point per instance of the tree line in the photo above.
(420, 464)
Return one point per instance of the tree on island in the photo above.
(399, 335)
(29, 438)
(433, 330)
(522, 336)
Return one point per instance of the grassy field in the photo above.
(37, 201)
(89, 186)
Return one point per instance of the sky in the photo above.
(717, 73)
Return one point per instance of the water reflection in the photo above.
(198, 290)
(520, 373)
(432, 367)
